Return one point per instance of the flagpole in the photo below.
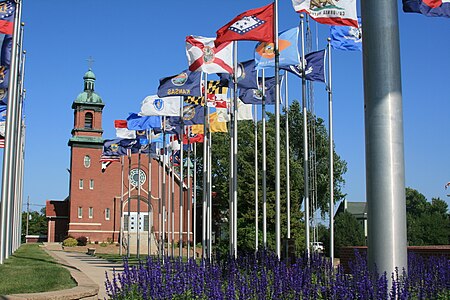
(209, 193)
(149, 206)
(305, 141)
(180, 220)
(121, 207)
(129, 202)
(138, 235)
(160, 217)
(264, 161)
(288, 184)
(171, 207)
(277, 134)
(255, 119)
(331, 153)
(205, 162)
(194, 191)
(164, 191)
(235, 148)
(189, 199)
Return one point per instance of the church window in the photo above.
(91, 212)
(81, 184)
(107, 214)
(88, 120)
(91, 184)
(87, 161)
(80, 212)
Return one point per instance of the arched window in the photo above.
(88, 120)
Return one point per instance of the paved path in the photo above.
(92, 267)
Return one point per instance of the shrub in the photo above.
(103, 244)
(82, 241)
(70, 242)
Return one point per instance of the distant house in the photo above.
(357, 209)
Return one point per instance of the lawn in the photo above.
(31, 270)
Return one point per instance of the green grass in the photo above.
(31, 270)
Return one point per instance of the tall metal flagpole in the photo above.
(288, 184)
(180, 213)
(264, 161)
(138, 229)
(255, 107)
(205, 164)
(164, 190)
(121, 207)
(8, 156)
(194, 195)
(149, 199)
(305, 140)
(189, 198)
(235, 148)
(129, 203)
(385, 169)
(277, 134)
(331, 153)
(171, 208)
(209, 192)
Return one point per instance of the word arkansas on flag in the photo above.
(204, 56)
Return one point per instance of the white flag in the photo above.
(160, 106)
(204, 56)
(244, 111)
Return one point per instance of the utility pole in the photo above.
(28, 215)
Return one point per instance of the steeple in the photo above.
(88, 107)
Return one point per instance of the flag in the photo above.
(194, 100)
(204, 56)
(214, 125)
(254, 96)
(223, 115)
(315, 67)
(246, 75)
(7, 9)
(118, 147)
(186, 83)
(108, 160)
(346, 37)
(252, 25)
(137, 122)
(244, 111)
(192, 114)
(6, 47)
(193, 138)
(3, 112)
(156, 106)
(429, 8)
(122, 131)
(287, 47)
(331, 12)
(175, 158)
(216, 91)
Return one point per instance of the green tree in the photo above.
(348, 232)
(37, 223)
(246, 178)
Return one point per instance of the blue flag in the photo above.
(287, 47)
(346, 37)
(3, 113)
(315, 67)
(137, 122)
(429, 8)
(118, 147)
(186, 83)
(246, 75)
(254, 96)
(192, 114)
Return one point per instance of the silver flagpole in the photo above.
(385, 166)
(189, 198)
(231, 213)
(9, 151)
(149, 204)
(264, 161)
(129, 203)
(160, 217)
(164, 191)
(331, 150)
(209, 192)
(288, 184)
(194, 195)
(305, 140)
(171, 209)
(235, 148)
(277, 134)
(138, 229)
(121, 207)
(205, 168)
(255, 119)
(181, 200)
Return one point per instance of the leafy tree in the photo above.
(37, 223)
(246, 178)
(427, 223)
(348, 232)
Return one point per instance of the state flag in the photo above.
(429, 8)
(346, 37)
(205, 57)
(287, 47)
(252, 25)
(186, 83)
(214, 125)
(255, 96)
(192, 114)
(137, 122)
(7, 10)
(342, 12)
(160, 106)
(246, 75)
(315, 67)
(122, 130)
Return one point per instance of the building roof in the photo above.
(88, 96)
(357, 209)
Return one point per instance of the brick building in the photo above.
(97, 199)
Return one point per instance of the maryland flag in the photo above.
(216, 91)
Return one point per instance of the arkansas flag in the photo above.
(204, 56)
(252, 25)
(429, 8)
(332, 12)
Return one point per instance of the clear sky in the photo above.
(134, 43)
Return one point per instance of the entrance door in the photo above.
(133, 222)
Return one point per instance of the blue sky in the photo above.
(134, 43)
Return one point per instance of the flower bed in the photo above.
(265, 277)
